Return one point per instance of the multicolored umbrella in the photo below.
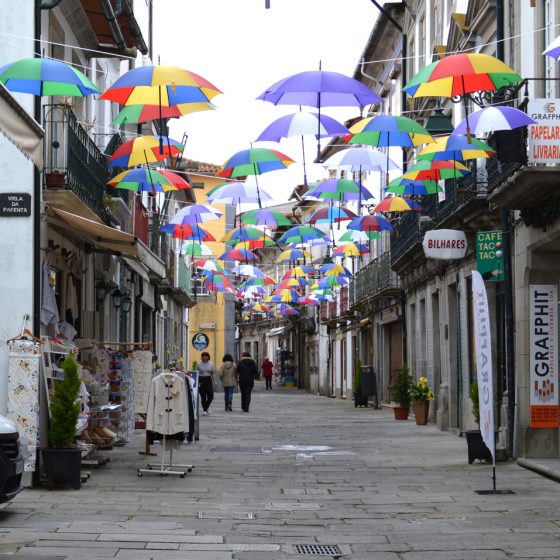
(360, 158)
(369, 223)
(397, 204)
(243, 234)
(294, 255)
(334, 269)
(341, 190)
(301, 271)
(187, 231)
(134, 114)
(143, 149)
(151, 180)
(553, 49)
(243, 255)
(248, 270)
(491, 119)
(456, 147)
(265, 217)
(237, 193)
(295, 283)
(358, 236)
(195, 214)
(350, 250)
(161, 86)
(208, 266)
(254, 161)
(302, 234)
(283, 310)
(45, 76)
(436, 170)
(389, 130)
(330, 214)
(402, 186)
(282, 296)
(195, 249)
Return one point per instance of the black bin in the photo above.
(369, 383)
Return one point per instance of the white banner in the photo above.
(483, 344)
(544, 136)
(543, 334)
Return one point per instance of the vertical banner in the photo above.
(543, 336)
(483, 344)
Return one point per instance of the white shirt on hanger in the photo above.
(168, 411)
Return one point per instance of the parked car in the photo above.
(11, 460)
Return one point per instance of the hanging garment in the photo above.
(71, 301)
(49, 308)
(191, 405)
(168, 411)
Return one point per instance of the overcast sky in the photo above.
(243, 48)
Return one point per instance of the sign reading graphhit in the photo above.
(543, 336)
(15, 205)
(544, 136)
(489, 255)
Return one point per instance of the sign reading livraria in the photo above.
(543, 334)
(544, 136)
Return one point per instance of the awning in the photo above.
(276, 332)
(98, 234)
(22, 130)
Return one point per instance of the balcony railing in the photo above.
(373, 279)
(159, 242)
(73, 156)
(183, 278)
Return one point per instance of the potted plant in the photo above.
(63, 461)
(421, 396)
(55, 179)
(359, 398)
(400, 393)
(476, 448)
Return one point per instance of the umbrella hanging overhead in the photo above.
(553, 49)
(350, 250)
(302, 234)
(330, 214)
(294, 255)
(370, 223)
(236, 193)
(342, 190)
(397, 204)
(360, 158)
(494, 118)
(151, 180)
(265, 217)
(300, 271)
(209, 266)
(195, 249)
(243, 255)
(402, 186)
(45, 76)
(358, 236)
(436, 170)
(195, 214)
(318, 88)
(187, 232)
(143, 149)
(135, 114)
(456, 147)
(248, 270)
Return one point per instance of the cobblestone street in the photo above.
(300, 470)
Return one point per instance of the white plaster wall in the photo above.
(16, 234)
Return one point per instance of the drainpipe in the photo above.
(508, 281)
(116, 31)
(49, 5)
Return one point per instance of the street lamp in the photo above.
(116, 298)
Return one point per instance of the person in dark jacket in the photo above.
(247, 372)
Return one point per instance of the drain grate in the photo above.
(318, 549)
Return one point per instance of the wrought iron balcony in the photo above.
(373, 280)
(72, 160)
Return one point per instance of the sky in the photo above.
(242, 48)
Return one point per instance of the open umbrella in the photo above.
(265, 217)
(330, 214)
(350, 250)
(134, 114)
(436, 170)
(300, 271)
(236, 193)
(302, 234)
(358, 236)
(195, 214)
(318, 88)
(360, 158)
(294, 255)
(397, 204)
(207, 266)
(456, 147)
(243, 255)
(460, 74)
(370, 223)
(494, 118)
(187, 232)
(341, 190)
(140, 150)
(151, 180)
(553, 49)
(45, 76)
(409, 187)
(248, 270)
(195, 249)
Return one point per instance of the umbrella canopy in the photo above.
(265, 217)
(302, 234)
(360, 158)
(294, 283)
(239, 255)
(299, 271)
(302, 124)
(494, 118)
(45, 76)
(358, 236)
(134, 114)
(143, 149)
(195, 214)
(151, 180)
(331, 214)
(237, 193)
(254, 161)
(553, 49)
(462, 73)
(294, 255)
(370, 223)
(161, 86)
(283, 296)
(456, 147)
(283, 310)
(242, 234)
(436, 170)
(397, 204)
(187, 231)
(350, 250)
(209, 266)
(402, 186)
(342, 190)
(389, 130)
(195, 249)
(248, 270)
(266, 280)
(334, 269)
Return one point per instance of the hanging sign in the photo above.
(544, 136)
(543, 336)
(483, 343)
(15, 205)
(200, 341)
(490, 255)
(445, 244)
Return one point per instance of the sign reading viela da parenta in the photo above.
(200, 341)
(543, 355)
(15, 205)
(490, 255)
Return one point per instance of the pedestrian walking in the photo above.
(206, 372)
(267, 373)
(228, 377)
(247, 372)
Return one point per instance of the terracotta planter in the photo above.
(421, 410)
(401, 412)
(55, 180)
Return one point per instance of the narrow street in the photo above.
(297, 470)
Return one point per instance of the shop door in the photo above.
(395, 349)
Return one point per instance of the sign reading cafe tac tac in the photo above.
(544, 136)
(543, 336)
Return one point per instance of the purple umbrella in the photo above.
(302, 124)
(494, 118)
(553, 49)
(318, 88)
(195, 214)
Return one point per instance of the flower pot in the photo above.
(55, 180)
(63, 466)
(476, 448)
(401, 412)
(421, 410)
(360, 400)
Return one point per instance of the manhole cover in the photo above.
(318, 549)
(235, 449)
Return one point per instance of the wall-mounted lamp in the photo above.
(126, 303)
(116, 298)
(101, 291)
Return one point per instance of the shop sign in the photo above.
(15, 205)
(543, 357)
(200, 341)
(490, 255)
(544, 136)
(445, 244)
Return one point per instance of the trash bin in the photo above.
(369, 383)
